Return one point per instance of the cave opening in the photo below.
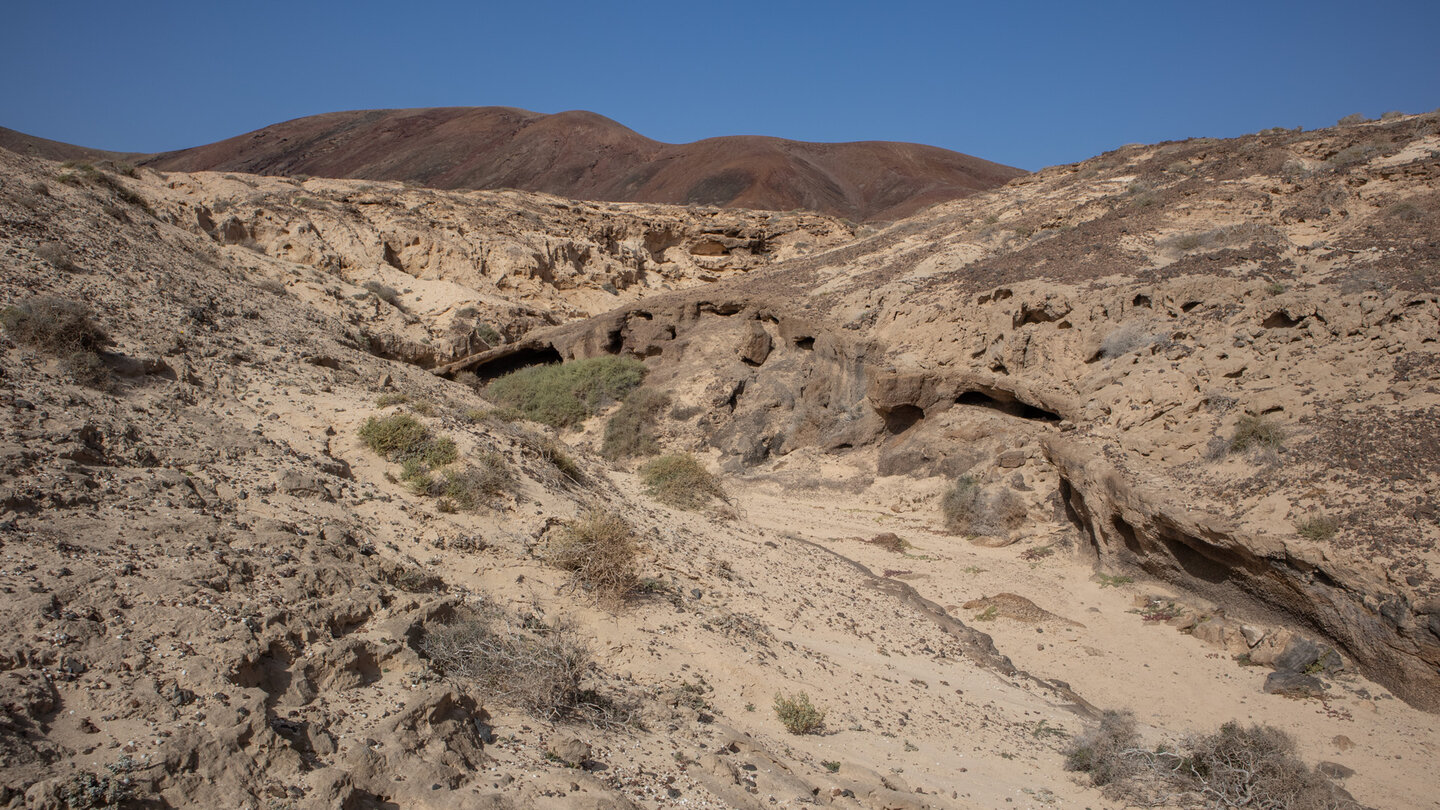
(516, 360)
(901, 418)
(1008, 406)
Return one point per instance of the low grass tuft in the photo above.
(680, 480)
(1317, 527)
(566, 394)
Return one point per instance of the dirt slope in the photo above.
(582, 155)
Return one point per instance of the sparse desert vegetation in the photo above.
(566, 394)
(299, 533)
(63, 329)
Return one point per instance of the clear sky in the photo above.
(1030, 84)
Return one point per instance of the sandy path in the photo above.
(1116, 660)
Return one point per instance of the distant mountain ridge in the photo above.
(583, 155)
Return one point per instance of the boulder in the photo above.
(755, 346)
(1293, 684)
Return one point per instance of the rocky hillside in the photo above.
(585, 156)
(1158, 423)
(1226, 351)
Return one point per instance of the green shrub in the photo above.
(680, 480)
(798, 715)
(415, 474)
(401, 437)
(487, 334)
(1256, 433)
(630, 431)
(599, 548)
(567, 393)
(60, 328)
(394, 398)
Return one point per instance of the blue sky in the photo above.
(1026, 83)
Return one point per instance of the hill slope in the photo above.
(582, 155)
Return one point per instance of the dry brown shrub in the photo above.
(599, 547)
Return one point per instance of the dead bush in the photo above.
(526, 663)
(553, 453)
(57, 256)
(385, 293)
(1101, 751)
(60, 328)
(969, 508)
(1127, 339)
(1237, 766)
(599, 547)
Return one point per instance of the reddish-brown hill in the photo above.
(582, 155)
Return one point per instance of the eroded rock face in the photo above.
(468, 269)
(1158, 337)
